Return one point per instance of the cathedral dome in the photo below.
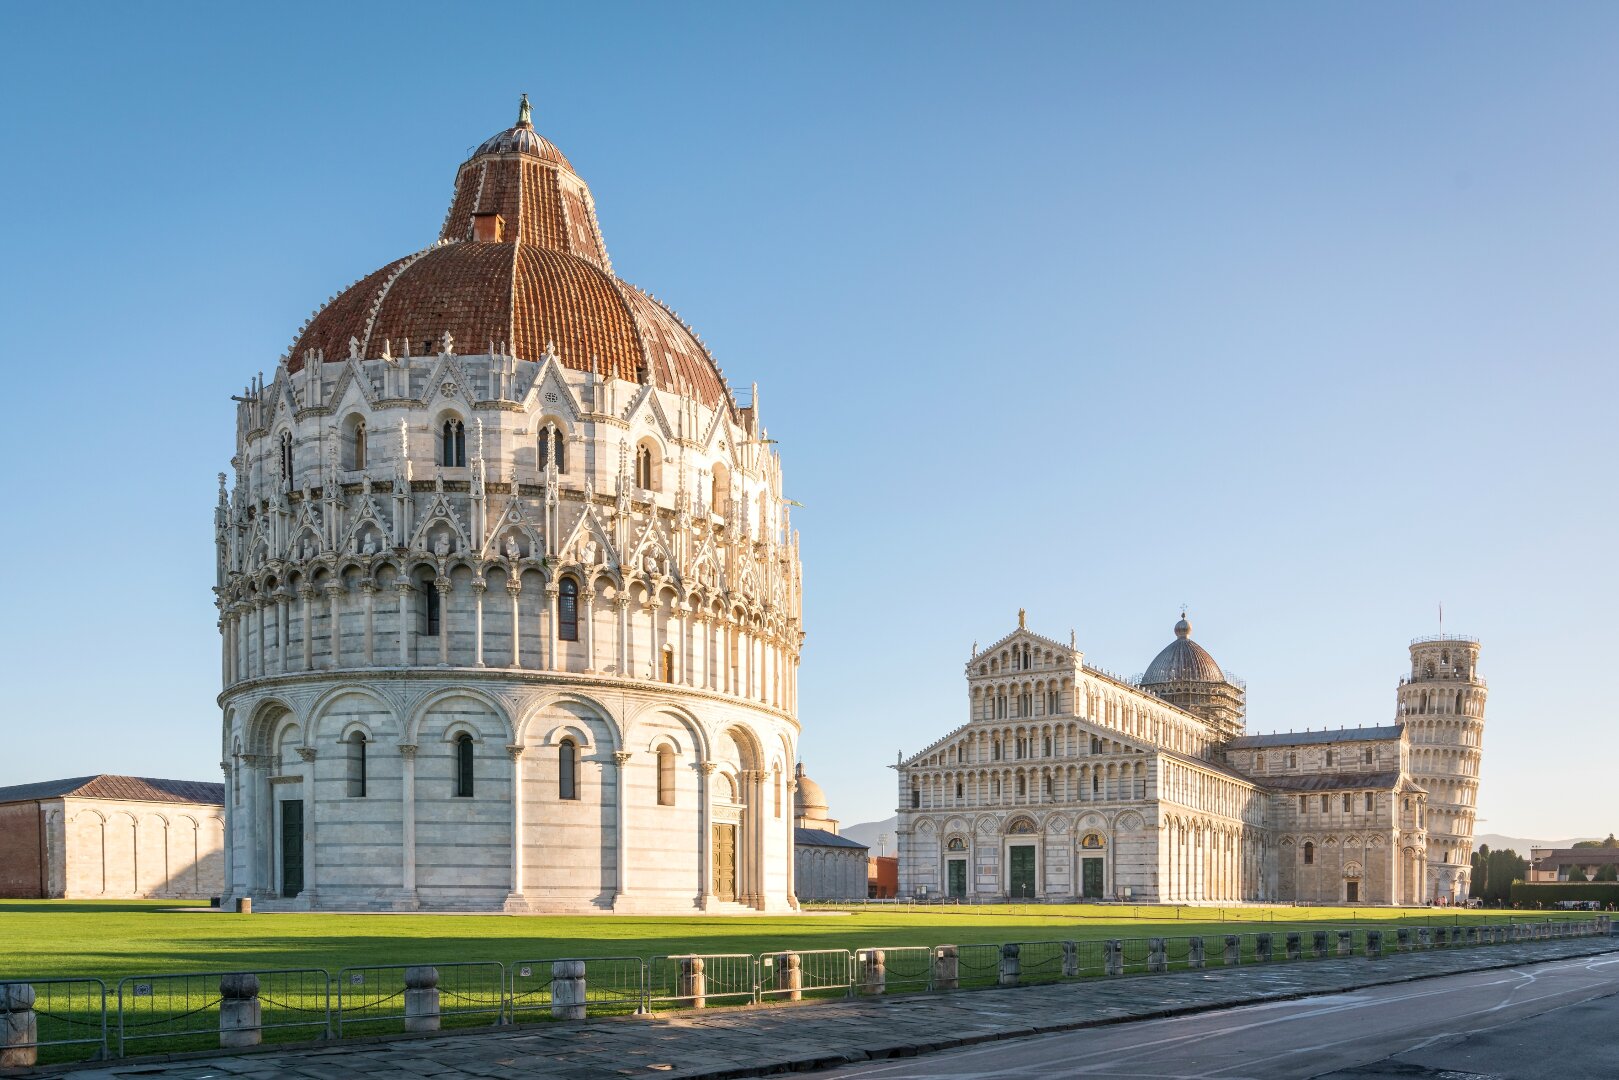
(809, 800)
(520, 267)
(1182, 660)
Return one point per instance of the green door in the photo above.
(1091, 869)
(1020, 877)
(958, 877)
(292, 847)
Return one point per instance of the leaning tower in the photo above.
(1441, 703)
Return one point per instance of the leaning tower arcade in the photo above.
(1441, 702)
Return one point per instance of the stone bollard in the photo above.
(1374, 944)
(421, 999)
(1346, 942)
(876, 977)
(1439, 937)
(1156, 958)
(791, 975)
(693, 984)
(1195, 956)
(19, 1027)
(1472, 935)
(1262, 950)
(1070, 959)
(239, 1011)
(567, 991)
(1113, 957)
(244, 905)
(1293, 950)
(1233, 950)
(1318, 945)
(946, 968)
(1011, 966)
(1424, 937)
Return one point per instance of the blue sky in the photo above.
(1302, 315)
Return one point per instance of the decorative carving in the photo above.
(514, 751)
(407, 751)
(307, 753)
(621, 757)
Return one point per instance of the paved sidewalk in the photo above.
(728, 1043)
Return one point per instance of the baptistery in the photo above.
(509, 598)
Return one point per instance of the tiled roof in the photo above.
(1314, 738)
(819, 838)
(548, 280)
(1334, 781)
(127, 788)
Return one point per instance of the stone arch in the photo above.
(419, 712)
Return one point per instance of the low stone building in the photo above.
(1547, 864)
(826, 866)
(112, 838)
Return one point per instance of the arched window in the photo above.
(431, 613)
(1022, 785)
(568, 610)
(463, 766)
(553, 447)
(958, 789)
(778, 792)
(666, 776)
(568, 770)
(356, 765)
(359, 445)
(1309, 853)
(668, 664)
(720, 491)
(643, 467)
(454, 445)
(286, 458)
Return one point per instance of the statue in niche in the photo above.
(589, 553)
(307, 550)
(441, 545)
(514, 550)
(649, 563)
(370, 544)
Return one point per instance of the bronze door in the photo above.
(725, 862)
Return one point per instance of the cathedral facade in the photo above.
(508, 594)
(1070, 782)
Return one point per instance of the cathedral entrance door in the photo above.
(1020, 871)
(1091, 878)
(292, 847)
(1352, 891)
(725, 862)
(958, 877)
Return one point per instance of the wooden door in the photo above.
(725, 862)
(292, 847)
(1091, 881)
(1020, 877)
(958, 877)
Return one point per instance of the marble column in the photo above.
(548, 625)
(514, 589)
(587, 603)
(370, 590)
(705, 788)
(516, 754)
(334, 619)
(307, 756)
(479, 587)
(404, 588)
(442, 585)
(621, 759)
(306, 598)
(407, 832)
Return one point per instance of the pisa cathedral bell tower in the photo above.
(1441, 703)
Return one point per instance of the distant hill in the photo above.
(867, 832)
(1498, 842)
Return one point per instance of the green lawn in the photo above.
(111, 940)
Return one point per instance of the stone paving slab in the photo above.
(724, 1044)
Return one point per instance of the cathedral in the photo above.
(1068, 782)
(508, 593)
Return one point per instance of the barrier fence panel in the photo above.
(1136, 953)
(907, 968)
(70, 1018)
(420, 997)
(792, 976)
(1040, 961)
(1178, 953)
(203, 1010)
(978, 965)
(696, 981)
(540, 990)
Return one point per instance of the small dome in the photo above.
(1182, 660)
(523, 139)
(809, 797)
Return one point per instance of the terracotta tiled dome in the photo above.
(520, 263)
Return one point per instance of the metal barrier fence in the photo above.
(200, 1010)
(693, 981)
(420, 997)
(68, 1014)
(235, 1009)
(792, 976)
(612, 985)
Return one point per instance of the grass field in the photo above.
(111, 940)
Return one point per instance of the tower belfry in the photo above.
(1441, 703)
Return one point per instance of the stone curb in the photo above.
(821, 1061)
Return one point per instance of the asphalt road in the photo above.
(1547, 1020)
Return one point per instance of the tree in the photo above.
(1577, 873)
(1501, 869)
(1607, 872)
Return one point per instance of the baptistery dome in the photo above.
(509, 598)
(519, 265)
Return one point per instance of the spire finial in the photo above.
(524, 113)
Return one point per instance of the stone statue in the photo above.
(441, 546)
(307, 550)
(590, 553)
(514, 550)
(370, 543)
(649, 563)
